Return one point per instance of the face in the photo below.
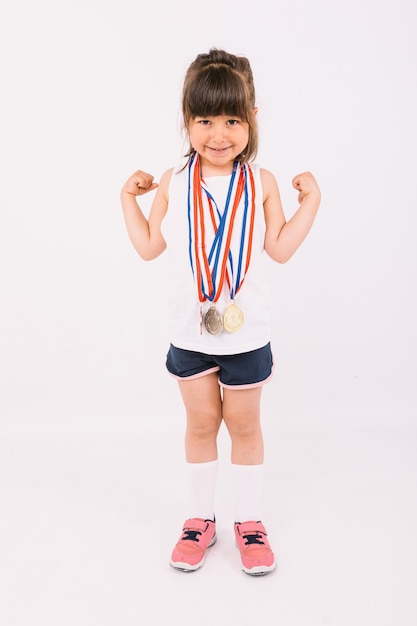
(218, 140)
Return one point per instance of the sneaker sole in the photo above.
(259, 570)
(187, 567)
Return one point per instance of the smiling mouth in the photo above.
(219, 149)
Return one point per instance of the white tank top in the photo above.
(253, 297)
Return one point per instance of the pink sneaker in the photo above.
(255, 551)
(190, 551)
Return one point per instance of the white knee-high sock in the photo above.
(202, 479)
(248, 486)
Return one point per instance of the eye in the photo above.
(204, 122)
(233, 122)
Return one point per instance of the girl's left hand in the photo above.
(305, 184)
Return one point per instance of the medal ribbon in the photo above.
(210, 271)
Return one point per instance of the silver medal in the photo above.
(213, 321)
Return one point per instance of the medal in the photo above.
(213, 321)
(215, 266)
(232, 318)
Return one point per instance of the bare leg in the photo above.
(203, 404)
(241, 414)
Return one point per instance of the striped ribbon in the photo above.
(213, 269)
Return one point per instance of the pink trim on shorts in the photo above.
(261, 383)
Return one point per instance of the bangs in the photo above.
(218, 90)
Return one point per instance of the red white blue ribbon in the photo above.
(211, 268)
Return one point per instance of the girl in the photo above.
(216, 214)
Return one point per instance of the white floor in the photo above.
(89, 513)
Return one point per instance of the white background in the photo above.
(91, 425)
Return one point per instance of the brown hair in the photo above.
(219, 83)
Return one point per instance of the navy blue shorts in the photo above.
(245, 370)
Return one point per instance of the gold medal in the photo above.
(232, 318)
(213, 321)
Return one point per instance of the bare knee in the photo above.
(246, 438)
(245, 431)
(241, 412)
(242, 426)
(204, 424)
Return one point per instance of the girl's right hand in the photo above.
(139, 183)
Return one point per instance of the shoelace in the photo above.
(191, 535)
(256, 538)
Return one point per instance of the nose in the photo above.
(218, 132)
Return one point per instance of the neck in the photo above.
(209, 169)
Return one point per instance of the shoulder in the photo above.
(163, 185)
(267, 177)
(178, 171)
(166, 177)
(269, 184)
(166, 184)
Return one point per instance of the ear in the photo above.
(255, 111)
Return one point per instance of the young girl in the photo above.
(216, 214)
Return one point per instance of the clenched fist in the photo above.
(139, 183)
(305, 184)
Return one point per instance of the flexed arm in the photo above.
(145, 234)
(283, 237)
